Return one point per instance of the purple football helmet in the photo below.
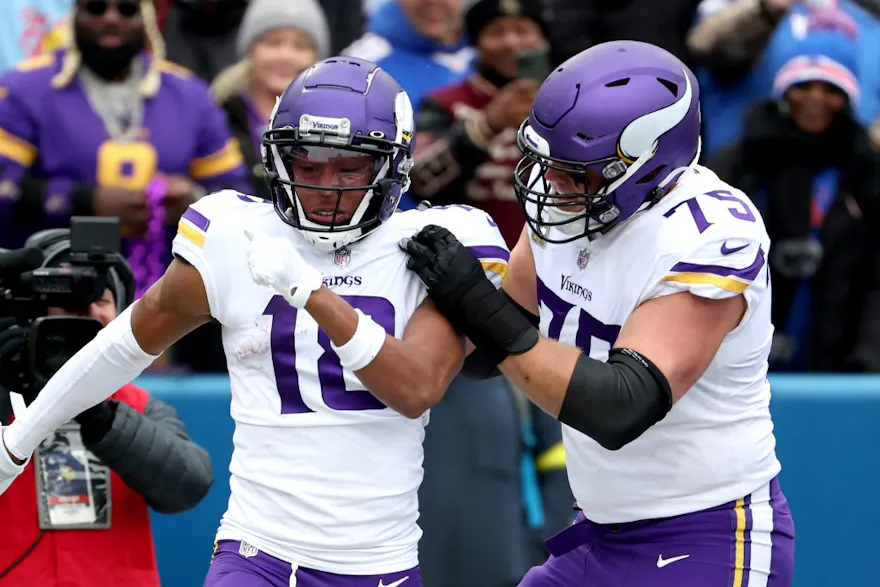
(351, 117)
(622, 119)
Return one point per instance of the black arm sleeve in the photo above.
(33, 194)
(443, 169)
(615, 402)
(154, 455)
(481, 364)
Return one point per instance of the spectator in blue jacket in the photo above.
(741, 44)
(421, 43)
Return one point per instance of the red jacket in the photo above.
(121, 556)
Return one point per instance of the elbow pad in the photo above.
(482, 363)
(615, 402)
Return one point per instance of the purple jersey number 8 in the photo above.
(330, 373)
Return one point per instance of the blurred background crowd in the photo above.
(134, 109)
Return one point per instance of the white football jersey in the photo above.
(323, 474)
(716, 445)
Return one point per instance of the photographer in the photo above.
(466, 152)
(78, 515)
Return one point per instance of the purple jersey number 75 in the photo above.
(329, 368)
(741, 211)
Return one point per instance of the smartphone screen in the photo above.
(533, 65)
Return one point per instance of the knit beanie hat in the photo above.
(482, 12)
(263, 16)
(829, 57)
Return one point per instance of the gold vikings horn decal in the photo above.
(643, 134)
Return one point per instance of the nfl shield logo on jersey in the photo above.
(583, 258)
(342, 257)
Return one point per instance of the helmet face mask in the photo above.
(338, 151)
(567, 195)
(609, 130)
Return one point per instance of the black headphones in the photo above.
(54, 243)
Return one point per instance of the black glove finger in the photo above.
(415, 249)
(6, 322)
(433, 232)
(448, 239)
(432, 237)
(417, 265)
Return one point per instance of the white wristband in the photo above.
(363, 347)
(312, 279)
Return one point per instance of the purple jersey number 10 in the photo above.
(330, 372)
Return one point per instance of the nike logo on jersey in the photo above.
(662, 562)
(395, 584)
(726, 251)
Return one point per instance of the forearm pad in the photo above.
(615, 402)
(481, 364)
(109, 361)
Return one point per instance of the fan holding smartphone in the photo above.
(467, 150)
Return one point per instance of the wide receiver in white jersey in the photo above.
(335, 355)
(651, 274)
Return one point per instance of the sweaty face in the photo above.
(337, 180)
(279, 56)
(440, 20)
(504, 37)
(813, 106)
(103, 310)
(109, 34)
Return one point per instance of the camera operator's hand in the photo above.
(130, 206)
(96, 421)
(511, 105)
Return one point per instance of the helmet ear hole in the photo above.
(652, 175)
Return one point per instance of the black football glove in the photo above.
(458, 285)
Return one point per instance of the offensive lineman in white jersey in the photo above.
(651, 273)
(335, 354)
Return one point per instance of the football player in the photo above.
(637, 311)
(335, 355)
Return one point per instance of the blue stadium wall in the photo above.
(828, 432)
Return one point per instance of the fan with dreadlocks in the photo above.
(105, 126)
